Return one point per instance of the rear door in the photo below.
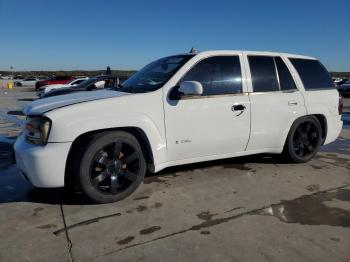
(275, 101)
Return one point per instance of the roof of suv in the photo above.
(268, 53)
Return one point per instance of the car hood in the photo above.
(54, 87)
(46, 86)
(41, 106)
(62, 91)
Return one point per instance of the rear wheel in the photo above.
(304, 140)
(112, 167)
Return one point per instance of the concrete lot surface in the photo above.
(253, 208)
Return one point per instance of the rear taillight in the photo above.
(341, 105)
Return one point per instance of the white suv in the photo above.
(178, 110)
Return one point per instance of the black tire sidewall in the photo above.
(98, 142)
(289, 149)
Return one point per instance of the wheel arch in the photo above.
(320, 117)
(323, 121)
(80, 143)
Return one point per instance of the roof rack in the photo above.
(193, 51)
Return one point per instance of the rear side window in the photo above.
(284, 76)
(218, 75)
(263, 73)
(312, 73)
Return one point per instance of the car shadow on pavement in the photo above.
(13, 188)
(57, 196)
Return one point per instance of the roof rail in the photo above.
(193, 51)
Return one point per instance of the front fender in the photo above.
(68, 123)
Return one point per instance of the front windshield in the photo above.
(72, 81)
(154, 75)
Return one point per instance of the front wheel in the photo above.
(304, 140)
(112, 167)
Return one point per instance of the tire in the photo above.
(304, 140)
(112, 167)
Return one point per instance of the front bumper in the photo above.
(43, 166)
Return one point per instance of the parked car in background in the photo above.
(344, 89)
(48, 88)
(91, 84)
(178, 110)
(340, 80)
(54, 80)
(18, 77)
(5, 77)
(30, 81)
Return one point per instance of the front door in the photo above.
(215, 123)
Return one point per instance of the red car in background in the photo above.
(53, 80)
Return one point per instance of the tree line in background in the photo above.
(119, 73)
(340, 74)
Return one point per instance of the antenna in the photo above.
(193, 51)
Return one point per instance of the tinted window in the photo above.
(218, 75)
(263, 73)
(285, 78)
(79, 81)
(312, 73)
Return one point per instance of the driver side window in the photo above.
(218, 75)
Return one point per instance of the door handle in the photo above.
(238, 108)
(292, 103)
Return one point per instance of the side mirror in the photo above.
(191, 88)
(100, 84)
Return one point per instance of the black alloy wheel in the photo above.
(112, 167)
(304, 139)
(115, 167)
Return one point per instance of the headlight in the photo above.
(37, 130)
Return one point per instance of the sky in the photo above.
(91, 34)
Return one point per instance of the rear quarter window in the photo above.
(312, 73)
